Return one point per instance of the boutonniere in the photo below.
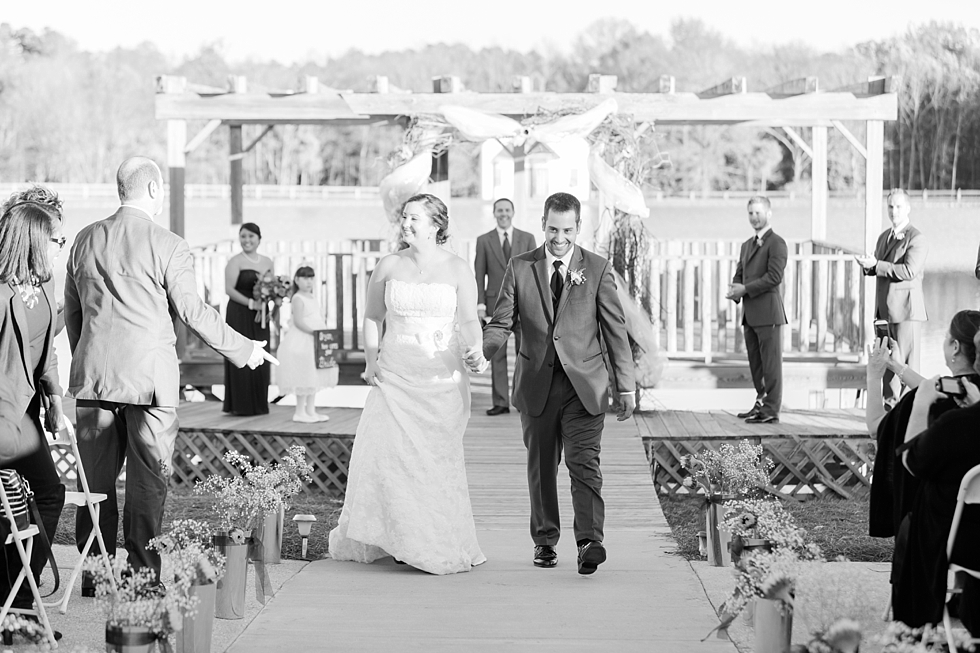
(900, 235)
(577, 277)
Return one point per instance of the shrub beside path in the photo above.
(644, 598)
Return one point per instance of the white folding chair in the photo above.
(18, 537)
(89, 501)
(969, 494)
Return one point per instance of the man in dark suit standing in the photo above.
(494, 250)
(757, 280)
(128, 280)
(897, 265)
(565, 298)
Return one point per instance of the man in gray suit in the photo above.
(758, 275)
(897, 264)
(494, 250)
(128, 280)
(565, 298)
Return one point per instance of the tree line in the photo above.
(69, 115)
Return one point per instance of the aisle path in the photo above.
(642, 599)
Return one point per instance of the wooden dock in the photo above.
(814, 451)
(644, 598)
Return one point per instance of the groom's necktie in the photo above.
(556, 285)
(507, 250)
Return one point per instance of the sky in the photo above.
(302, 30)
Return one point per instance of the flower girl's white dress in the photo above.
(406, 489)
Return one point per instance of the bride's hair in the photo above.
(436, 209)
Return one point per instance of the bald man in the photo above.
(128, 279)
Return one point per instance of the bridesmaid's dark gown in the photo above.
(246, 391)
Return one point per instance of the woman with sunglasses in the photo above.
(30, 240)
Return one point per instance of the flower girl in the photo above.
(298, 373)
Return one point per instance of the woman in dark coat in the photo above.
(30, 240)
(938, 455)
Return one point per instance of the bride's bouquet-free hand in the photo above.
(269, 288)
(475, 361)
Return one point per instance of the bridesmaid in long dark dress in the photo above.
(246, 390)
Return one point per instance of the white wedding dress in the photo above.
(406, 488)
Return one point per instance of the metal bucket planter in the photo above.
(129, 639)
(230, 594)
(773, 626)
(271, 537)
(717, 533)
(195, 634)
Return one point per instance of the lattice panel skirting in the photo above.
(200, 453)
(818, 466)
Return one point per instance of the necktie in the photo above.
(507, 251)
(556, 284)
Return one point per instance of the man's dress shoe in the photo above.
(752, 412)
(591, 554)
(498, 410)
(545, 556)
(763, 418)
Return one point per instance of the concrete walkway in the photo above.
(642, 599)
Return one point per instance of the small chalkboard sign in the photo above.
(324, 343)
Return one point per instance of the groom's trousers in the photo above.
(564, 424)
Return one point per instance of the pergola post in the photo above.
(176, 162)
(522, 217)
(235, 176)
(873, 178)
(440, 186)
(818, 194)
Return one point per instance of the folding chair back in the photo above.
(18, 537)
(85, 499)
(969, 494)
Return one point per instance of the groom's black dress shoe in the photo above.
(545, 556)
(591, 554)
(763, 418)
(498, 410)
(752, 412)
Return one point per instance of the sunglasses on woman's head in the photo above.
(60, 242)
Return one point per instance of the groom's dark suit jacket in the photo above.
(588, 323)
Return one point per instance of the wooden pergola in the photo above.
(788, 106)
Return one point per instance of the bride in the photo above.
(407, 495)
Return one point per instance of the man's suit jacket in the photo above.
(760, 269)
(128, 280)
(898, 287)
(589, 322)
(16, 366)
(490, 264)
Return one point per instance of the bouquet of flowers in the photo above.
(764, 519)
(269, 288)
(189, 547)
(258, 489)
(899, 638)
(136, 601)
(842, 636)
(728, 470)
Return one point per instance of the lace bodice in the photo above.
(418, 311)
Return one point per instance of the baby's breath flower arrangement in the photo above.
(137, 601)
(257, 490)
(764, 519)
(189, 547)
(899, 638)
(730, 469)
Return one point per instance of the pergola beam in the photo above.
(796, 138)
(255, 141)
(731, 86)
(794, 87)
(851, 138)
(202, 135)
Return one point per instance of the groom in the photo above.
(565, 300)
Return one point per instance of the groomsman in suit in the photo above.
(494, 250)
(128, 281)
(758, 275)
(897, 265)
(565, 298)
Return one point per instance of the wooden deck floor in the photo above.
(643, 599)
(723, 424)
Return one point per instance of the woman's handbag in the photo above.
(21, 500)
